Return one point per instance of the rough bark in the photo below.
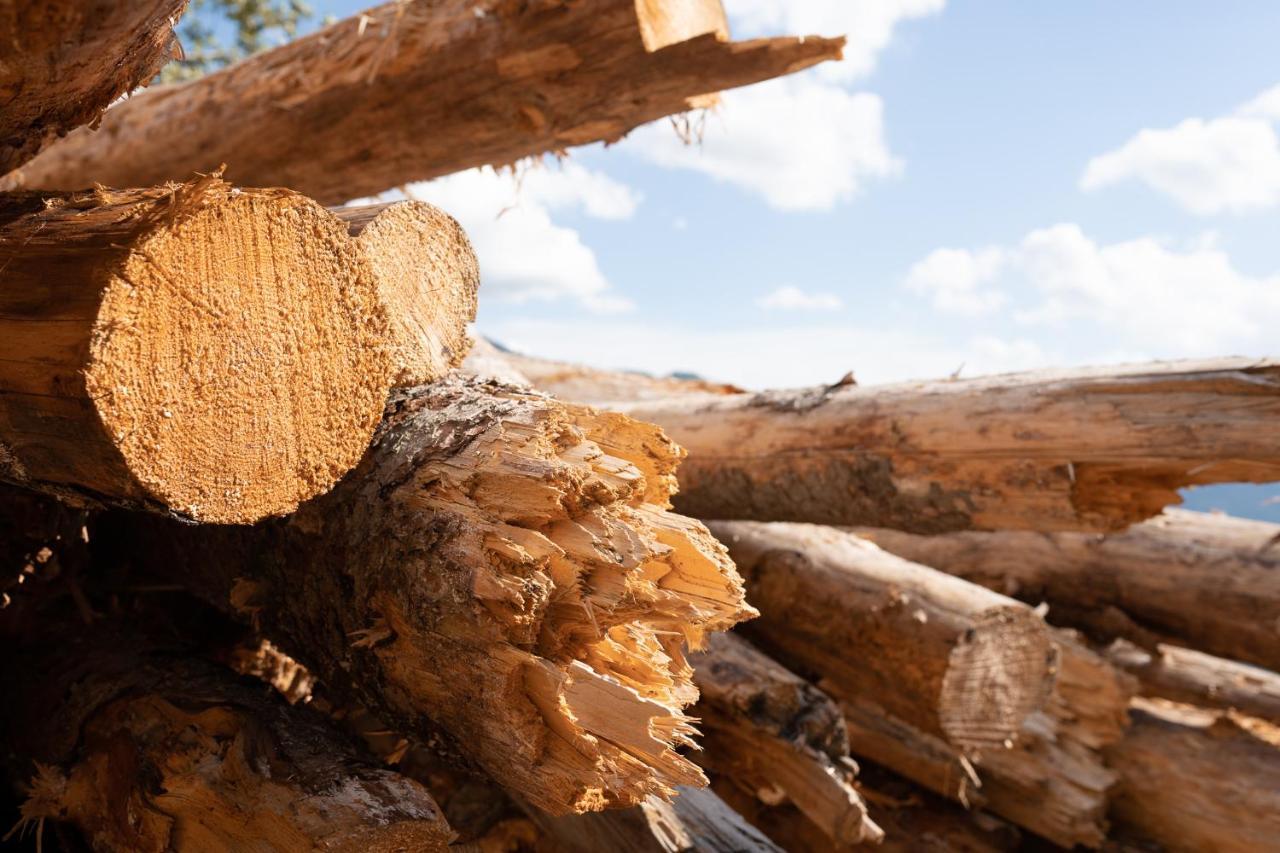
(446, 85)
(696, 821)
(1194, 781)
(500, 566)
(196, 349)
(1148, 584)
(62, 62)
(1184, 675)
(1089, 450)
(145, 749)
(778, 737)
(428, 278)
(951, 658)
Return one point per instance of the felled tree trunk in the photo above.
(1148, 584)
(144, 749)
(62, 62)
(775, 735)
(196, 349)
(502, 567)
(1090, 450)
(428, 278)
(951, 658)
(1185, 675)
(1195, 781)
(445, 85)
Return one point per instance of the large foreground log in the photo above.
(951, 658)
(144, 749)
(501, 566)
(413, 90)
(1195, 781)
(774, 734)
(1092, 450)
(1147, 584)
(62, 62)
(197, 349)
(428, 278)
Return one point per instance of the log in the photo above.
(62, 62)
(1088, 450)
(409, 91)
(196, 349)
(777, 736)
(428, 278)
(144, 748)
(499, 576)
(1194, 678)
(1148, 584)
(952, 659)
(1195, 781)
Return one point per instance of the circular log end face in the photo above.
(428, 278)
(999, 672)
(238, 360)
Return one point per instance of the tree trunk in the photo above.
(774, 734)
(950, 658)
(145, 749)
(1184, 675)
(1148, 584)
(1195, 781)
(428, 279)
(1091, 450)
(196, 349)
(413, 90)
(500, 566)
(62, 62)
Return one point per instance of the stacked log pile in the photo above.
(276, 575)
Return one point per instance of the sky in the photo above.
(979, 187)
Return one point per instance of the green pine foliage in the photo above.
(216, 33)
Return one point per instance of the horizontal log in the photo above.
(1147, 584)
(774, 734)
(428, 278)
(198, 349)
(1194, 678)
(1088, 450)
(409, 91)
(1194, 781)
(65, 61)
(499, 576)
(951, 658)
(144, 748)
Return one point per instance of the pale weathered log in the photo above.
(696, 821)
(1092, 450)
(194, 348)
(777, 736)
(62, 62)
(1151, 583)
(500, 566)
(145, 749)
(428, 278)
(951, 658)
(412, 90)
(1195, 780)
(1185, 675)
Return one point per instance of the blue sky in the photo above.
(982, 186)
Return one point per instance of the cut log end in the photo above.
(236, 360)
(999, 673)
(428, 278)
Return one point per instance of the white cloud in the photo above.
(1152, 300)
(868, 24)
(801, 143)
(1227, 164)
(955, 278)
(524, 255)
(791, 298)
